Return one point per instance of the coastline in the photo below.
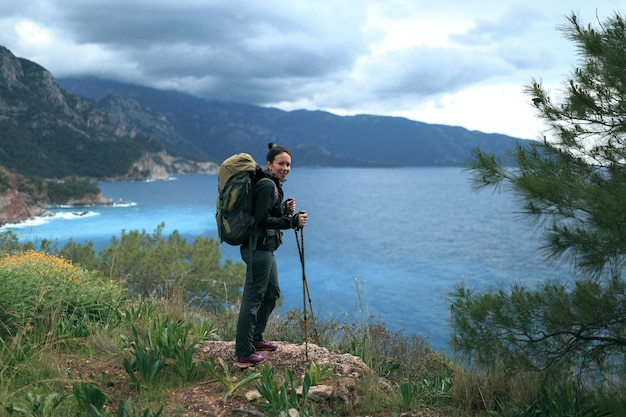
(17, 208)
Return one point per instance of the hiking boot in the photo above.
(251, 360)
(265, 345)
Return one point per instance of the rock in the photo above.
(13, 208)
(340, 388)
(344, 395)
(253, 395)
(319, 393)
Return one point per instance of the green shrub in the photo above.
(47, 295)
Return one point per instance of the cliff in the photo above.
(16, 206)
(13, 208)
(23, 198)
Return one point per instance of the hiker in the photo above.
(261, 288)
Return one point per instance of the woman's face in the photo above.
(280, 166)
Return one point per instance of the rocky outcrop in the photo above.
(338, 391)
(23, 198)
(13, 208)
(90, 200)
(15, 205)
(161, 166)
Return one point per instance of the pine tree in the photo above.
(573, 183)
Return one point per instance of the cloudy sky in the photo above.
(454, 62)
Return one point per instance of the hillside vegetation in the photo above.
(140, 330)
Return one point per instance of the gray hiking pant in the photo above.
(260, 293)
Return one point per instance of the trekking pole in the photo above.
(306, 332)
(306, 284)
(305, 292)
(306, 340)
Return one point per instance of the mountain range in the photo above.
(318, 138)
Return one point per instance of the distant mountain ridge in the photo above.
(318, 138)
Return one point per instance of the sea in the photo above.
(383, 245)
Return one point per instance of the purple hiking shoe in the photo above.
(251, 360)
(265, 345)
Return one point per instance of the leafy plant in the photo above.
(172, 339)
(15, 350)
(89, 398)
(44, 406)
(407, 393)
(127, 409)
(571, 183)
(150, 263)
(148, 359)
(141, 308)
(434, 391)
(565, 400)
(75, 324)
(269, 389)
(281, 399)
(360, 347)
(225, 379)
(318, 373)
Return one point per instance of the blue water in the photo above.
(384, 242)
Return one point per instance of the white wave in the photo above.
(38, 221)
(161, 180)
(71, 215)
(125, 204)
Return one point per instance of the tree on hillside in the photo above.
(573, 183)
(157, 265)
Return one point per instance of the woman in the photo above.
(261, 288)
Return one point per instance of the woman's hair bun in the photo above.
(275, 149)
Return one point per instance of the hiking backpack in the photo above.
(235, 198)
(234, 215)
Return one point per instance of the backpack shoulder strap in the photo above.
(273, 183)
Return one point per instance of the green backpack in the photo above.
(235, 198)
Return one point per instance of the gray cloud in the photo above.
(314, 54)
(242, 51)
(431, 71)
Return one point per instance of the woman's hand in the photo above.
(290, 205)
(302, 218)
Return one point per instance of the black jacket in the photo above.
(269, 212)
